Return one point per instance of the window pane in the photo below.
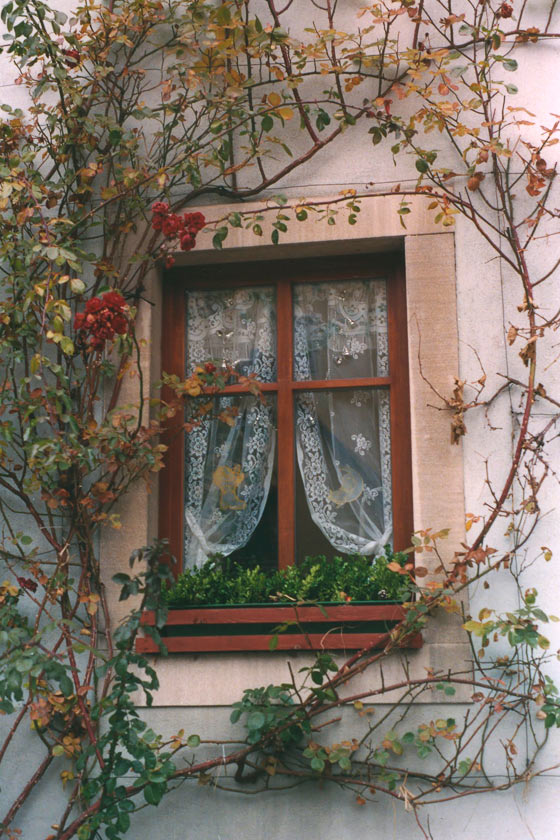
(340, 330)
(344, 457)
(262, 548)
(229, 459)
(237, 327)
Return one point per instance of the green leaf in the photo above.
(219, 237)
(193, 741)
(223, 15)
(267, 123)
(275, 236)
(513, 89)
(317, 764)
(78, 286)
(153, 794)
(256, 720)
(67, 345)
(66, 685)
(510, 64)
(123, 822)
(422, 165)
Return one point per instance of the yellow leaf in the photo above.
(274, 99)
(285, 113)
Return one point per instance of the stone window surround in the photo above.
(220, 678)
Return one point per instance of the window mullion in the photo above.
(285, 443)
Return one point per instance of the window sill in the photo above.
(252, 628)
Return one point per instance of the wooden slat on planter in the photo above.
(342, 627)
(317, 641)
(277, 614)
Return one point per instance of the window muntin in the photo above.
(367, 320)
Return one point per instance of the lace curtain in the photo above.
(229, 468)
(343, 436)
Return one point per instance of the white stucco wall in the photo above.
(487, 300)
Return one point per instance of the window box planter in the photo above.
(331, 626)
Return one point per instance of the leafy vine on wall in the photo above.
(138, 109)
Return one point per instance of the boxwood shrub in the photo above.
(349, 578)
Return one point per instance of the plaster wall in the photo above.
(485, 306)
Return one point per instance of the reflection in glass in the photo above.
(229, 460)
(344, 456)
(340, 330)
(236, 326)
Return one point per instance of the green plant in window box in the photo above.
(336, 579)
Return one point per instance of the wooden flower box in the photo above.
(252, 627)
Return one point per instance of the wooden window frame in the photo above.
(284, 274)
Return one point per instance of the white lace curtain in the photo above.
(229, 468)
(342, 435)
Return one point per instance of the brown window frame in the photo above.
(284, 274)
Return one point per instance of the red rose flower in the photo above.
(79, 321)
(103, 318)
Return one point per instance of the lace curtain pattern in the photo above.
(343, 436)
(229, 468)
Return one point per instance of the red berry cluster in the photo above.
(184, 227)
(102, 318)
(505, 11)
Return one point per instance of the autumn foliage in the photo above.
(97, 178)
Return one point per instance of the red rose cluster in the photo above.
(184, 227)
(102, 318)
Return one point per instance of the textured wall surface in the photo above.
(485, 306)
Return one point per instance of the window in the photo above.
(323, 465)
